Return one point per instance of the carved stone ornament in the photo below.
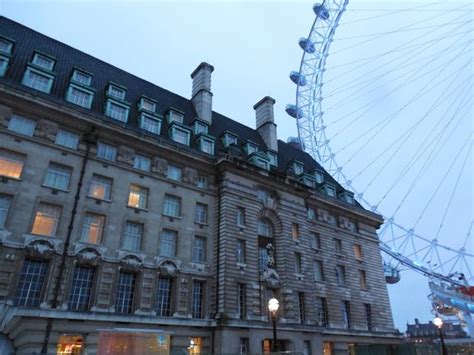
(40, 249)
(190, 175)
(131, 263)
(126, 155)
(168, 269)
(47, 130)
(271, 278)
(160, 166)
(88, 256)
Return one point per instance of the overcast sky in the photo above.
(253, 47)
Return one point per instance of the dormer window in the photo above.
(308, 180)
(329, 190)
(116, 92)
(200, 127)
(250, 148)
(175, 116)
(43, 61)
(116, 110)
(272, 158)
(298, 167)
(79, 95)
(206, 144)
(81, 77)
(319, 176)
(347, 196)
(150, 123)
(179, 133)
(38, 73)
(260, 160)
(228, 139)
(6, 45)
(146, 104)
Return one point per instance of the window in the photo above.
(6, 45)
(241, 301)
(67, 139)
(362, 280)
(81, 77)
(116, 110)
(11, 164)
(199, 250)
(295, 231)
(301, 307)
(150, 123)
(132, 239)
(240, 216)
(80, 96)
(106, 152)
(315, 241)
(298, 263)
(163, 297)
(347, 197)
(46, 219)
(318, 270)
(32, 279)
(22, 125)
(202, 182)
(168, 239)
(38, 80)
(200, 127)
(298, 167)
(319, 176)
(195, 345)
(244, 346)
(250, 148)
(206, 145)
(307, 347)
(338, 246)
(147, 104)
(229, 139)
(3, 65)
(174, 173)
(116, 92)
(311, 214)
(264, 228)
(100, 187)
(272, 158)
(172, 206)
(329, 190)
(138, 197)
(175, 116)
(81, 288)
(341, 275)
(200, 215)
(259, 161)
(43, 61)
(125, 292)
(240, 251)
(358, 252)
(368, 316)
(5, 202)
(180, 134)
(322, 311)
(92, 228)
(198, 292)
(58, 176)
(262, 258)
(70, 344)
(346, 314)
(142, 163)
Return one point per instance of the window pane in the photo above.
(240, 251)
(240, 216)
(92, 228)
(81, 77)
(142, 163)
(298, 263)
(172, 206)
(32, 278)
(168, 240)
(37, 81)
(241, 301)
(5, 46)
(11, 164)
(67, 139)
(79, 97)
(207, 146)
(174, 173)
(198, 288)
(106, 151)
(58, 176)
(180, 136)
(5, 202)
(81, 288)
(138, 197)
(116, 92)
(46, 220)
(149, 124)
(199, 250)
(100, 187)
(318, 270)
(265, 228)
(133, 236)
(200, 215)
(22, 125)
(116, 111)
(43, 61)
(125, 293)
(163, 297)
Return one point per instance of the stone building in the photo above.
(123, 205)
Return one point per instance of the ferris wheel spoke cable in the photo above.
(468, 235)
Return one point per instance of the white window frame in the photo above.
(155, 123)
(172, 206)
(272, 158)
(103, 183)
(174, 128)
(116, 92)
(174, 173)
(85, 80)
(200, 127)
(22, 125)
(145, 101)
(139, 196)
(201, 213)
(67, 139)
(107, 150)
(199, 249)
(167, 246)
(329, 190)
(203, 140)
(175, 116)
(298, 168)
(240, 216)
(229, 138)
(38, 57)
(319, 176)
(110, 103)
(4, 61)
(132, 236)
(8, 44)
(142, 162)
(82, 90)
(28, 82)
(250, 148)
(92, 222)
(58, 176)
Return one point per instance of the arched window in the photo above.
(265, 228)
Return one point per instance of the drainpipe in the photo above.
(218, 247)
(90, 139)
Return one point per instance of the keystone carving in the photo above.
(47, 130)
(88, 256)
(160, 166)
(168, 269)
(346, 223)
(126, 155)
(190, 175)
(324, 216)
(131, 263)
(40, 249)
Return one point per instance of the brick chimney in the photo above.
(202, 95)
(266, 126)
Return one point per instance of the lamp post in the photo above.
(439, 323)
(273, 305)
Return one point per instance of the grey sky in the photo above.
(253, 47)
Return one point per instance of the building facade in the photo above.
(123, 205)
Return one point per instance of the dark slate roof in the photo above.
(67, 58)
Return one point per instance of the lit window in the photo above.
(200, 127)
(250, 148)
(116, 92)
(315, 241)
(241, 301)
(301, 308)
(195, 345)
(198, 293)
(92, 228)
(100, 187)
(341, 275)
(180, 134)
(206, 145)
(168, 239)
(199, 250)
(265, 228)
(81, 77)
(175, 116)
(358, 252)
(202, 182)
(81, 287)
(67, 139)
(138, 197)
(295, 231)
(318, 270)
(6, 45)
(298, 263)
(58, 176)
(22, 125)
(132, 239)
(70, 344)
(116, 111)
(43, 61)
(32, 280)
(272, 158)
(311, 214)
(174, 173)
(80, 96)
(46, 220)
(147, 105)
(150, 123)
(172, 206)
(125, 292)
(240, 216)
(5, 202)
(240, 251)
(362, 280)
(11, 164)
(346, 314)
(106, 152)
(163, 297)
(142, 163)
(229, 139)
(200, 215)
(38, 80)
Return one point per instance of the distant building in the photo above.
(123, 205)
(428, 333)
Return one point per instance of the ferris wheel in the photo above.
(386, 108)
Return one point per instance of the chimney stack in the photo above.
(266, 126)
(202, 95)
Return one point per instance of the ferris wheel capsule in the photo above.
(307, 45)
(293, 111)
(321, 11)
(297, 78)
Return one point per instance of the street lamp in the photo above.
(273, 305)
(439, 323)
